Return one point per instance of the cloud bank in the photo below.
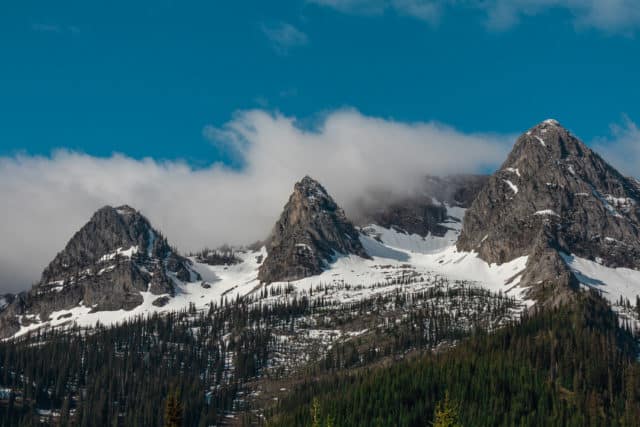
(612, 16)
(46, 199)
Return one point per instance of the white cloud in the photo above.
(425, 10)
(360, 7)
(46, 199)
(623, 148)
(284, 37)
(612, 16)
(428, 11)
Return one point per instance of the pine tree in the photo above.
(330, 422)
(173, 411)
(446, 414)
(315, 413)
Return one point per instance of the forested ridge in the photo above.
(568, 366)
(125, 375)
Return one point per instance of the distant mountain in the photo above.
(106, 265)
(311, 232)
(427, 211)
(554, 196)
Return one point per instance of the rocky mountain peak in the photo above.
(308, 194)
(553, 192)
(549, 140)
(121, 230)
(310, 233)
(106, 265)
(310, 187)
(125, 210)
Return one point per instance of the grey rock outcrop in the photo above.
(554, 194)
(310, 233)
(106, 265)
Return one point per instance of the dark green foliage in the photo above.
(121, 375)
(571, 366)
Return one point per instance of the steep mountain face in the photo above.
(311, 231)
(424, 212)
(106, 265)
(553, 194)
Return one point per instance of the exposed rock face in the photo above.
(11, 309)
(554, 193)
(311, 231)
(425, 212)
(105, 265)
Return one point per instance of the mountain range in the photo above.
(518, 290)
(554, 219)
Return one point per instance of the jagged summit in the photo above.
(311, 231)
(311, 188)
(124, 210)
(553, 193)
(550, 138)
(106, 265)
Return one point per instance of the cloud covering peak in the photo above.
(47, 199)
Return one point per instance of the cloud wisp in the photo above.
(284, 37)
(623, 148)
(424, 10)
(47, 199)
(610, 16)
(54, 28)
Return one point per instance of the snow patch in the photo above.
(612, 283)
(546, 212)
(541, 140)
(605, 202)
(513, 170)
(511, 185)
(120, 252)
(380, 241)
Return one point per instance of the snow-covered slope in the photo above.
(620, 286)
(398, 261)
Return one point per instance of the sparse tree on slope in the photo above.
(173, 411)
(446, 414)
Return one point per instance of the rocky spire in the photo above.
(554, 194)
(310, 233)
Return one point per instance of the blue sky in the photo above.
(203, 114)
(145, 78)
